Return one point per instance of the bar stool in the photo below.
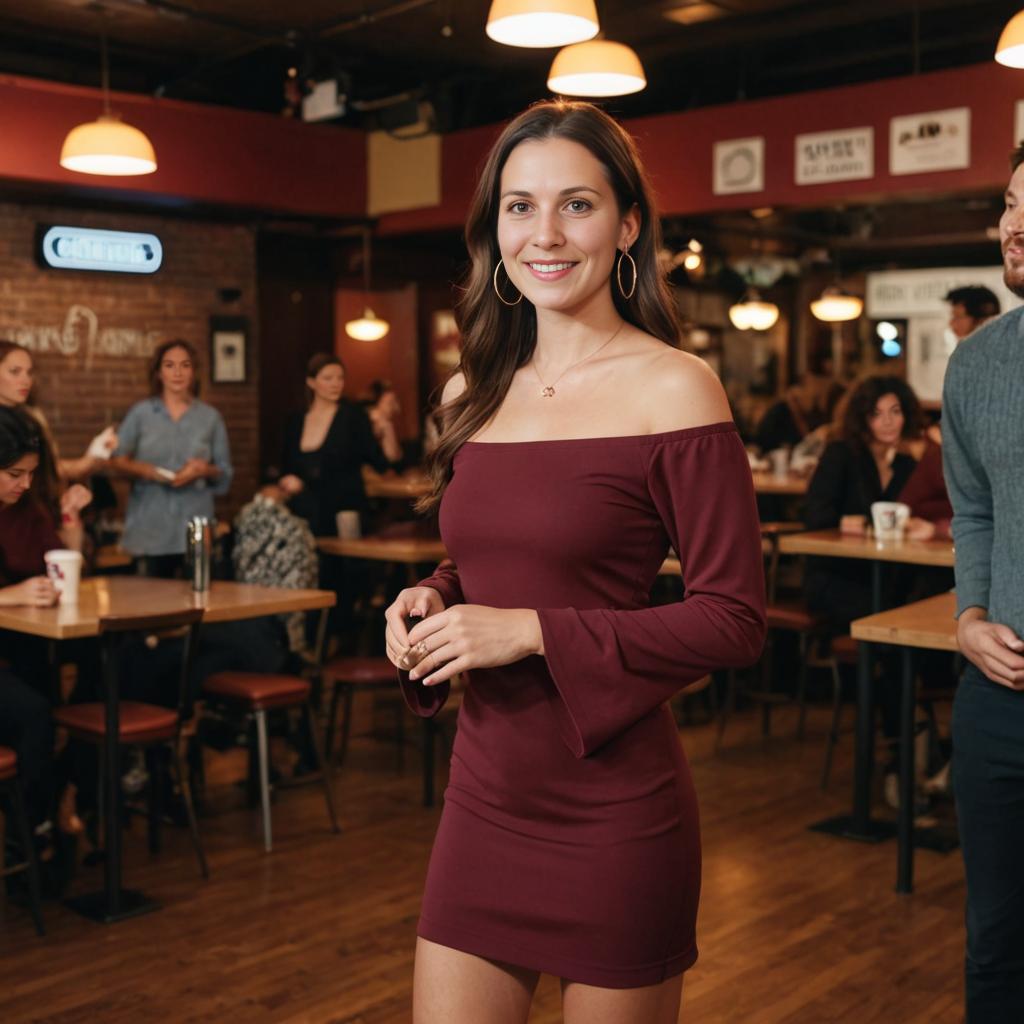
(140, 724)
(11, 784)
(255, 694)
(360, 675)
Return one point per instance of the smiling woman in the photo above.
(576, 437)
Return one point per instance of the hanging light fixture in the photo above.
(368, 327)
(107, 145)
(752, 313)
(835, 306)
(596, 68)
(540, 23)
(1010, 48)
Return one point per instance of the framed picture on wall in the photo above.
(228, 335)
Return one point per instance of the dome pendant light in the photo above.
(541, 23)
(836, 306)
(1010, 48)
(596, 68)
(107, 145)
(368, 327)
(752, 313)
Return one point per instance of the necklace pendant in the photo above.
(548, 392)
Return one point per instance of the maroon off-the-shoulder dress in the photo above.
(569, 841)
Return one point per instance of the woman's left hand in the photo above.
(920, 529)
(74, 499)
(468, 636)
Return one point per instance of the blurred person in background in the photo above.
(174, 448)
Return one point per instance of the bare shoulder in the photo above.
(682, 391)
(453, 388)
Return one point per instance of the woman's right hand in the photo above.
(856, 526)
(414, 602)
(290, 484)
(36, 592)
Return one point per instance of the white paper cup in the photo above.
(890, 519)
(347, 521)
(780, 461)
(64, 567)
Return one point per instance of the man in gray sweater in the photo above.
(983, 454)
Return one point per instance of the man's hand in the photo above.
(992, 647)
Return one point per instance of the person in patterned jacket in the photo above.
(275, 548)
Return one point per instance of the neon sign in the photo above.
(122, 252)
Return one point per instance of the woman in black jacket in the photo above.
(325, 449)
(863, 465)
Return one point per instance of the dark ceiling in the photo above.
(696, 52)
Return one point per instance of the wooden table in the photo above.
(833, 544)
(412, 484)
(926, 625)
(405, 550)
(766, 482)
(137, 595)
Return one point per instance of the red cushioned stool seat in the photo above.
(844, 649)
(139, 723)
(8, 763)
(260, 692)
(361, 671)
(794, 615)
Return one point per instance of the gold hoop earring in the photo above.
(497, 291)
(618, 274)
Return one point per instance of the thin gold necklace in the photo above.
(549, 389)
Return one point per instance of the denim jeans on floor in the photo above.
(988, 780)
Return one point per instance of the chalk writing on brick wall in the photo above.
(82, 334)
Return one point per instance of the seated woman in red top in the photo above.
(26, 532)
(579, 444)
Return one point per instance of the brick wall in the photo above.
(91, 334)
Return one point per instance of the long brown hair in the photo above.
(498, 339)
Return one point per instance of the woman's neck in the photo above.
(323, 406)
(176, 401)
(567, 336)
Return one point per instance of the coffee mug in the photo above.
(890, 519)
(64, 567)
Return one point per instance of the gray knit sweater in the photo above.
(983, 460)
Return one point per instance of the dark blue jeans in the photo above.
(26, 727)
(988, 780)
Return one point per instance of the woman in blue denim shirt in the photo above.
(175, 449)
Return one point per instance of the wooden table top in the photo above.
(407, 550)
(834, 544)
(412, 484)
(928, 624)
(768, 483)
(137, 595)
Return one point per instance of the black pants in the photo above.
(988, 781)
(26, 727)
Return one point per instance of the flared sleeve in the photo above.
(612, 667)
(426, 701)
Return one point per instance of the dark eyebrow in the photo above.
(564, 192)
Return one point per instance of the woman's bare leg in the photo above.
(653, 1004)
(452, 987)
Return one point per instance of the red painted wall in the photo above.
(204, 153)
(677, 148)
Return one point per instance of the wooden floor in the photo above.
(795, 927)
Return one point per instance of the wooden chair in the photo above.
(254, 694)
(149, 726)
(789, 614)
(11, 784)
(361, 675)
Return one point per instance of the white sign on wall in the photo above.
(123, 252)
(907, 293)
(937, 141)
(845, 155)
(1018, 123)
(738, 166)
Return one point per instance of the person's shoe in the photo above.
(891, 791)
(941, 783)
